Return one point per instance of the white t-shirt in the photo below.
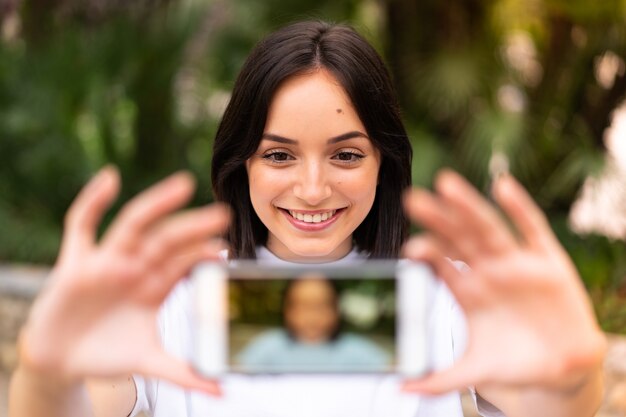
(305, 395)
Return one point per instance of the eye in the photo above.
(348, 156)
(277, 156)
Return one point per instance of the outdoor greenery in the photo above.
(485, 85)
(262, 302)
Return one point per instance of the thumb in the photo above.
(461, 375)
(164, 366)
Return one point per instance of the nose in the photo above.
(312, 186)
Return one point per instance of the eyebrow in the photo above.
(340, 138)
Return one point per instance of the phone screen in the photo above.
(312, 324)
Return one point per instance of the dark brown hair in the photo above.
(293, 50)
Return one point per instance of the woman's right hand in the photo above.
(98, 315)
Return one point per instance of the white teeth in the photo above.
(312, 218)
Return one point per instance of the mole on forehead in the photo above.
(339, 111)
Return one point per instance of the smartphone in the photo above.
(368, 318)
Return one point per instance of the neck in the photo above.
(282, 252)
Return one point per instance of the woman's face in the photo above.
(311, 311)
(313, 178)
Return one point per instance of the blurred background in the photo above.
(531, 86)
(485, 86)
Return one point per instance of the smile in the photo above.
(312, 221)
(312, 218)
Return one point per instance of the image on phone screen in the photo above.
(311, 324)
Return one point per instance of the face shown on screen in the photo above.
(311, 311)
(314, 175)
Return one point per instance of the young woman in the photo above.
(312, 158)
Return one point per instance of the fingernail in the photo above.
(101, 176)
(408, 386)
(216, 391)
(411, 197)
(221, 206)
(414, 247)
(449, 182)
(501, 185)
(183, 177)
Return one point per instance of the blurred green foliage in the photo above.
(142, 83)
(261, 302)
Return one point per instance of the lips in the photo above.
(312, 220)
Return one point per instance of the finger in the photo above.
(525, 214)
(159, 284)
(182, 265)
(429, 249)
(429, 211)
(448, 223)
(466, 288)
(461, 375)
(164, 366)
(149, 207)
(184, 230)
(85, 213)
(479, 217)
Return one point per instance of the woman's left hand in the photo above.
(530, 321)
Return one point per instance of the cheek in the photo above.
(258, 192)
(262, 174)
(330, 318)
(262, 183)
(292, 318)
(359, 186)
(255, 177)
